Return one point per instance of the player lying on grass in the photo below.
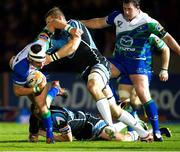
(80, 125)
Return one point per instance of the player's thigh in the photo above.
(115, 72)
(98, 77)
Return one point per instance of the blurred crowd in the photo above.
(22, 20)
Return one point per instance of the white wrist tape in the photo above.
(36, 89)
(68, 28)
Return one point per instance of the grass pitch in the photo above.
(13, 137)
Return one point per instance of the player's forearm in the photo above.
(165, 57)
(22, 91)
(95, 23)
(171, 42)
(67, 50)
(67, 137)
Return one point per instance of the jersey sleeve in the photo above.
(20, 74)
(157, 29)
(156, 42)
(110, 18)
(19, 79)
(74, 23)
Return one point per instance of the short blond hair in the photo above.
(55, 12)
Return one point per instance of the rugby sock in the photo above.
(119, 126)
(128, 119)
(104, 109)
(52, 93)
(135, 115)
(47, 123)
(152, 113)
(130, 128)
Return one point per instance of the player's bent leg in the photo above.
(119, 126)
(142, 89)
(96, 82)
(33, 128)
(54, 91)
(122, 115)
(40, 101)
(109, 134)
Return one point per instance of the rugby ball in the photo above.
(34, 78)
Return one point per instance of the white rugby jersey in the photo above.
(132, 36)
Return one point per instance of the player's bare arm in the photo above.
(171, 42)
(163, 75)
(65, 51)
(22, 91)
(65, 136)
(95, 23)
(25, 91)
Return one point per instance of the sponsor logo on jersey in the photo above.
(126, 41)
(119, 23)
(157, 40)
(159, 27)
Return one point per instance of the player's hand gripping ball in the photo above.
(35, 77)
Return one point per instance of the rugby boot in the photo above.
(158, 137)
(165, 131)
(33, 137)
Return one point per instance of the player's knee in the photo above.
(95, 82)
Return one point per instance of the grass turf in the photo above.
(13, 137)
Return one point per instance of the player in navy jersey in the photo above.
(133, 28)
(94, 69)
(68, 124)
(80, 125)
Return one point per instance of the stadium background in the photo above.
(22, 20)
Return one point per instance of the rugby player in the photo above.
(133, 28)
(94, 69)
